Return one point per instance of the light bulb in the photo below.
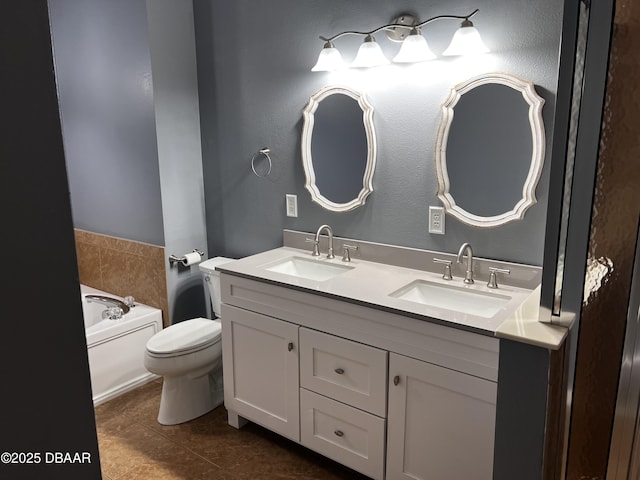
(369, 55)
(466, 41)
(414, 49)
(329, 59)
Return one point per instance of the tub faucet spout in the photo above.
(468, 276)
(108, 301)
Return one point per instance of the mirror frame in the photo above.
(526, 88)
(307, 160)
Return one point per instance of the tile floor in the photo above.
(134, 446)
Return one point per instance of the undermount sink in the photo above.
(308, 268)
(460, 299)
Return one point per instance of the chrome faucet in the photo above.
(468, 276)
(108, 301)
(316, 250)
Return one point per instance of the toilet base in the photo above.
(185, 398)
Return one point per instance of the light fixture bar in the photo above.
(414, 47)
(399, 25)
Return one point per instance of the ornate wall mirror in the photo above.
(489, 155)
(338, 148)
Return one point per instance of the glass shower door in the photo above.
(624, 455)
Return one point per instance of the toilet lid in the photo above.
(185, 336)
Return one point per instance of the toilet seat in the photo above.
(184, 338)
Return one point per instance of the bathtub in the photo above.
(116, 347)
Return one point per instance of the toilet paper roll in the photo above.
(191, 259)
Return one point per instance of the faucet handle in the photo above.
(112, 313)
(492, 276)
(316, 249)
(346, 255)
(447, 268)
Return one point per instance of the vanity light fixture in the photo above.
(406, 29)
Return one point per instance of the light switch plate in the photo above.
(436, 220)
(292, 205)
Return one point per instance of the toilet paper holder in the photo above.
(184, 260)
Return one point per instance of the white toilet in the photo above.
(189, 356)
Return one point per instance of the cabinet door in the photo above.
(440, 423)
(260, 366)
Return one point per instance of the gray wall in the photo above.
(175, 92)
(104, 81)
(254, 80)
(126, 72)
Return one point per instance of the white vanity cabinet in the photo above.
(260, 370)
(387, 395)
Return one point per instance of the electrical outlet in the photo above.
(436, 220)
(292, 205)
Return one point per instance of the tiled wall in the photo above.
(123, 267)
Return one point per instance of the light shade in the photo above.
(369, 55)
(329, 59)
(414, 49)
(466, 41)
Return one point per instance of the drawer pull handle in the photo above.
(396, 380)
(339, 371)
(290, 346)
(339, 433)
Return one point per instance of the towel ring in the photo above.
(265, 152)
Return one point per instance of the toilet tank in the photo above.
(212, 279)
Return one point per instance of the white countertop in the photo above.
(371, 283)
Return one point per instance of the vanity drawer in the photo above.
(350, 372)
(343, 433)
